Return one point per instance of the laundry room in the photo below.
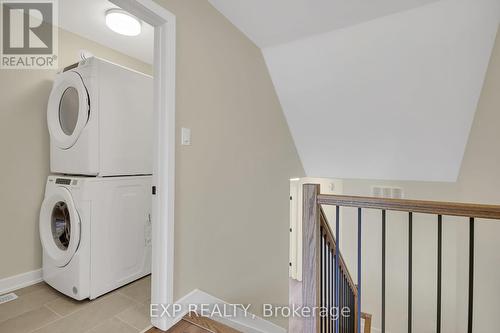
(79, 137)
(139, 140)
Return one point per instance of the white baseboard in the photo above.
(242, 323)
(20, 281)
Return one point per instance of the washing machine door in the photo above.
(59, 226)
(68, 109)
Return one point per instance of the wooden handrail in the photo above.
(415, 206)
(368, 322)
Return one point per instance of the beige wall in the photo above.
(479, 175)
(231, 232)
(24, 145)
(479, 181)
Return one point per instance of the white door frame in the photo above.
(162, 284)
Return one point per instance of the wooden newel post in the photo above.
(310, 255)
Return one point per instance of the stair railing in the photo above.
(333, 268)
(326, 281)
(327, 285)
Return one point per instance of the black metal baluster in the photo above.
(337, 261)
(352, 311)
(347, 304)
(351, 307)
(339, 319)
(322, 278)
(331, 263)
(353, 317)
(325, 290)
(353, 321)
(439, 275)
(340, 302)
(410, 271)
(383, 269)
(325, 305)
(349, 319)
(346, 288)
(359, 271)
(328, 286)
(471, 276)
(343, 300)
(333, 323)
(346, 319)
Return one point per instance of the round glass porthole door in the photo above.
(59, 226)
(68, 109)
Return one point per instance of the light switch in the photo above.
(186, 136)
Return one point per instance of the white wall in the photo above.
(478, 182)
(270, 23)
(392, 98)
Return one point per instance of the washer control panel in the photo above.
(63, 181)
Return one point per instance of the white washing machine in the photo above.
(100, 120)
(95, 233)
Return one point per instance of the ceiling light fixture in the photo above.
(123, 23)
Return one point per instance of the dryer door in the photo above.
(68, 109)
(59, 226)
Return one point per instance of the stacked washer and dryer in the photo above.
(95, 220)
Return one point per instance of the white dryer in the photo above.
(100, 120)
(95, 233)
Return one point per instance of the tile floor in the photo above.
(41, 309)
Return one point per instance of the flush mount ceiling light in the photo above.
(123, 23)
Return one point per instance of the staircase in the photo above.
(326, 281)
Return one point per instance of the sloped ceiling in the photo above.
(272, 22)
(390, 98)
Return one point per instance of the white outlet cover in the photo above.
(186, 136)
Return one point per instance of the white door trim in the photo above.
(162, 284)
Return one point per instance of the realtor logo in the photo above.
(29, 34)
